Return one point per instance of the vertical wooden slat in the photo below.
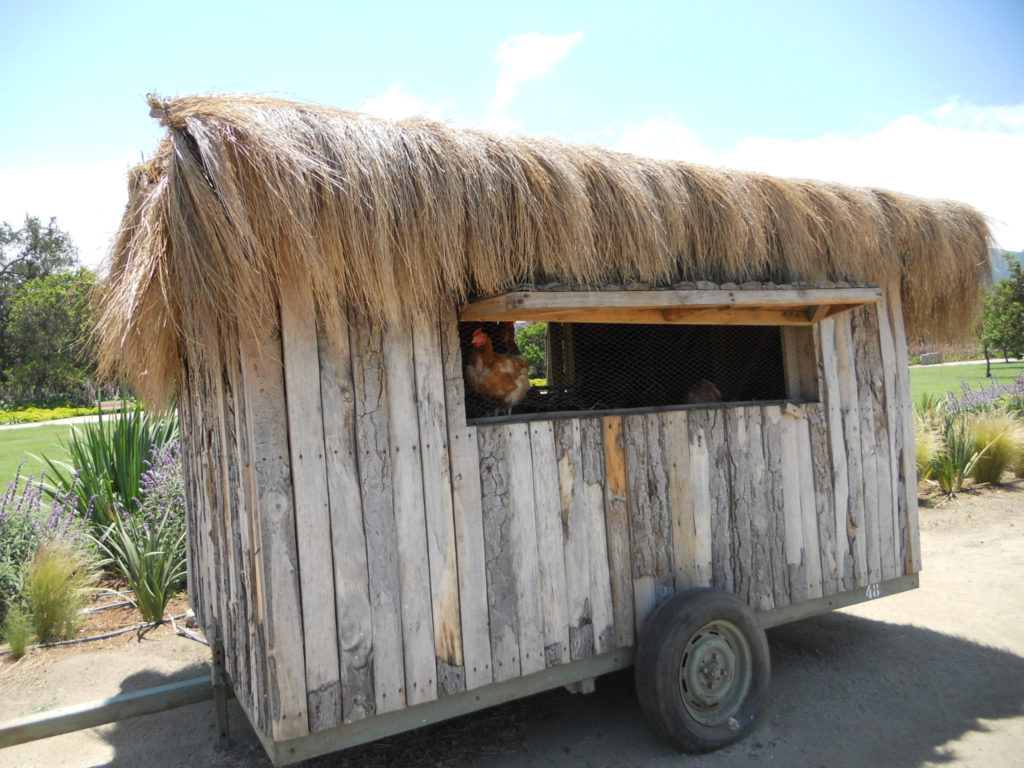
(700, 483)
(905, 434)
(375, 483)
(550, 544)
(410, 517)
(525, 560)
(856, 529)
(466, 507)
(720, 485)
(592, 452)
(821, 466)
(887, 349)
(348, 539)
(808, 510)
(270, 479)
(775, 502)
(789, 452)
(837, 446)
(248, 532)
(312, 506)
(575, 536)
(499, 551)
(437, 500)
(865, 367)
(750, 553)
(680, 493)
(617, 531)
(650, 518)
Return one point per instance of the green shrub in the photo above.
(150, 555)
(17, 630)
(107, 459)
(30, 415)
(55, 587)
(955, 461)
(998, 440)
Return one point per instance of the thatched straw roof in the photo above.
(410, 216)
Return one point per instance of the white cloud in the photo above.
(394, 104)
(522, 58)
(960, 152)
(86, 199)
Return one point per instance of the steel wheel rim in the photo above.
(715, 672)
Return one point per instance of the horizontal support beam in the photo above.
(807, 608)
(91, 714)
(711, 307)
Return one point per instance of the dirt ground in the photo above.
(926, 678)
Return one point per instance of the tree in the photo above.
(532, 342)
(48, 334)
(1003, 319)
(32, 252)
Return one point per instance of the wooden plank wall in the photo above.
(360, 548)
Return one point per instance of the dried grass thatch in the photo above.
(410, 216)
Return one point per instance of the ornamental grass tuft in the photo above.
(998, 438)
(56, 585)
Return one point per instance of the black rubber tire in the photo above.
(704, 624)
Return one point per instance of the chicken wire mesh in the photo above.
(575, 367)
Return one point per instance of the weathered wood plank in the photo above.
(681, 505)
(248, 530)
(410, 517)
(464, 457)
(521, 304)
(500, 552)
(569, 451)
(312, 505)
(270, 477)
(592, 451)
(375, 483)
(437, 500)
(525, 559)
(821, 466)
(550, 544)
(751, 541)
(348, 538)
(700, 484)
(720, 485)
(856, 529)
(617, 532)
(837, 446)
(775, 503)
(792, 513)
(893, 424)
(811, 542)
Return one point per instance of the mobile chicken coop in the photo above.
(723, 441)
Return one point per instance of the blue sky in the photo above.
(925, 97)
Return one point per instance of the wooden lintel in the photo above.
(711, 307)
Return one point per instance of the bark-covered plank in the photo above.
(617, 531)
(700, 484)
(850, 405)
(592, 452)
(775, 503)
(893, 554)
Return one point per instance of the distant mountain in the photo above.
(1000, 269)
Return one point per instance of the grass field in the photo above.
(939, 379)
(17, 444)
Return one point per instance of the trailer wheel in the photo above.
(702, 669)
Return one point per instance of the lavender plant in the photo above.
(147, 546)
(1008, 397)
(25, 522)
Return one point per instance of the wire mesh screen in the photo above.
(597, 367)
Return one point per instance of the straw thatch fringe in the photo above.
(400, 218)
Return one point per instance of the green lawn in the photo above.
(17, 444)
(939, 379)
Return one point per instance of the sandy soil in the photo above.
(927, 678)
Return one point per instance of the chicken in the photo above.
(703, 391)
(500, 377)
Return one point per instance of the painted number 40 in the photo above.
(873, 591)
